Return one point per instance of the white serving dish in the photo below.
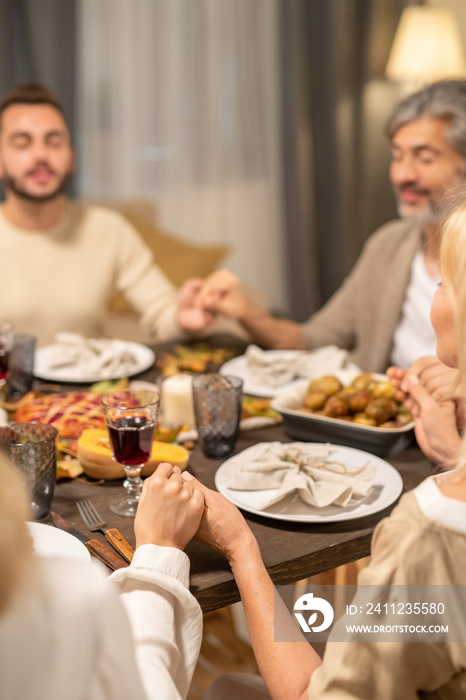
(308, 427)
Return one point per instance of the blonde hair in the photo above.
(15, 542)
(453, 266)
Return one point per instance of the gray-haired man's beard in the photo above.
(428, 215)
(9, 183)
(434, 212)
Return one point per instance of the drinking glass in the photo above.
(6, 343)
(31, 447)
(217, 406)
(21, 367)
(130, 417)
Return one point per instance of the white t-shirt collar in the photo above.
(438, 507)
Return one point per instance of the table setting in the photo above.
(338, 499)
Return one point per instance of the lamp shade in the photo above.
(427, 46)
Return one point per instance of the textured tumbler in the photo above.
(217, 407)
(31, 447)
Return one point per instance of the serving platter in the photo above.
(302, 425)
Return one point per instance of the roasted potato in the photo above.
(365, 401)
(328, 385)
(315, 400)
(336, 407)
(384, 389)
(381, 409)
(363, 419)
(359, 400)
(365, 380)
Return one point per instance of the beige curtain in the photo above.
(179, 103)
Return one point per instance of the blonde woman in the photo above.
(423, 543)
(69, 632)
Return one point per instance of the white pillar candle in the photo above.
(177, 400)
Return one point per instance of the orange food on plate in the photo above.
(71, 412)
(95, 456)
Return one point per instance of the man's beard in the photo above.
(437, 206)
(9, 183)
(426, 215)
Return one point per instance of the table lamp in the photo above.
(427, 47)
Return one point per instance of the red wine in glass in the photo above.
(131, 437)
(4, 361)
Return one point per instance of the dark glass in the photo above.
(217, 407)
(31, 447)
(131, 438)
(218, 447)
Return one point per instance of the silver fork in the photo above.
(94, 521)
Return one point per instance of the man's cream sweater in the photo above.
(60, 279)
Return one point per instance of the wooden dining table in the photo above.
(291, 551)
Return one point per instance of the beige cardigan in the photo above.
(363, 314)
(408, 549)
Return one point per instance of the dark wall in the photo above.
(38, 43)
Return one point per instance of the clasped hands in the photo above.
(175, 508)
(201, 300)
(433, 395)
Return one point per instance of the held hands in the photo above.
(190, 315)
(223, 527)
(176, 507)
(437, 379)
(434, 423)
(170, 509)
(200, 301)
(435, 420)
(222, 293)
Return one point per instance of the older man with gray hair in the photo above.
(381, 312)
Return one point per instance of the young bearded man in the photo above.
(60, 259)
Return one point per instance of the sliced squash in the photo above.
(95, 456)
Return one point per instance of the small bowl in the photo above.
(308, 427)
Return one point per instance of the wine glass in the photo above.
(6, 343)
(130, 417)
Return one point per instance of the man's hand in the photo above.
(222, 293)
(434, 423)
(191, 316)
(170, 509)
(222, 526)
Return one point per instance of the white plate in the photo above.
(49, 541)
(388, 485)
(145, 358)
(238, 368)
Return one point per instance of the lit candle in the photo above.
(177, 400)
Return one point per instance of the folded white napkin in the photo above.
(301, 468)
(91, 355)
(274, 369)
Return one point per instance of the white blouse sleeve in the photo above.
(165, 619)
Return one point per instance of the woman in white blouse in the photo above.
(67, 631)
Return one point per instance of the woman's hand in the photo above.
(439, 380)
(222, 526)
(170, 509)
(434, 423)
